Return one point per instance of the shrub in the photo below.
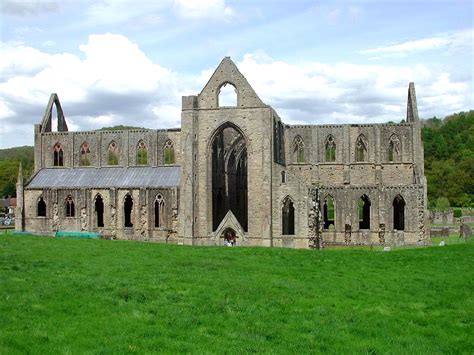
(457, 213)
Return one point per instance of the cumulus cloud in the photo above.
(452, 41)
(314, 92)
(114, 82)
(28, 7)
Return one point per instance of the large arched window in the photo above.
(127, 211)
(361, 148)
(364, 212)
(142, 153)
(329, 212)
(85, 155)
(288, 217)
(159, 211)
(99, 210)
(227, 95)
(330, 149)
(70, 211)
(112, 154)
(168, 152)
(298, 149)
(41, 207)
(58, 155)
(399, 213)
(393, 150)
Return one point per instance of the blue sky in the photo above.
(130, 61)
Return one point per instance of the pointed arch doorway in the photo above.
(229, 175)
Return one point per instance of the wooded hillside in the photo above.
(449, 160)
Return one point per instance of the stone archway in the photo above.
(229, 175)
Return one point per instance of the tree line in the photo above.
(449, 160)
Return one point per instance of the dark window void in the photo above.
(288, 217)
(58, 155)
(328, 212)
(278, 143)
(283, 177)
(99, 210)
(159, 211)
(227, 95)
(127, 211)
(142, 153)
(229, 176)
(70, 212)
(330, 149)
(399, 213)
(112, 154)
(168, 152)
(41, 208)
(364, 212)
(85, 159)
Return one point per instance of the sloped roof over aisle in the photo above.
(107, 177)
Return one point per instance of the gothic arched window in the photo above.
(330, 149)
(112, 154)
(328, 212)
(70, 211)
(399, 213)
(168, 152)
(361, 148)
(288, 217)
(58, 155)
(393, 150)
(159, 211)
(142, 153)
(41, 207)
(127, 211)
(298, 149)
(85, 155)
(364, 212)
(227, 95)
(99, 210)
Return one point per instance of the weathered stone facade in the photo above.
(236, 169)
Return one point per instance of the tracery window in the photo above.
(70, 211)
(58, 155)
(112, 154)
(288, 217)
(85, 155)
(142, 153)
(298, 149)
(168, 152)
(159, 211)
(361, 148)
(330, 149)
(41, 207)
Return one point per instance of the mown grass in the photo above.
(98, 296)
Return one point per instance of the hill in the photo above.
(9, 162)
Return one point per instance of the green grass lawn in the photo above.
(99, 296)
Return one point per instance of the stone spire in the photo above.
(19, 212)
(412, 108)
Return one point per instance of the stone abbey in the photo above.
(230, 170)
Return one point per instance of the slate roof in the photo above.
(108, 177)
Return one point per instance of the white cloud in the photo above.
(451, 41)
(203, 9)
(114, 82)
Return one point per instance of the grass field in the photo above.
(98, 296)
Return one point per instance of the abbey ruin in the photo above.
(234, 171)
